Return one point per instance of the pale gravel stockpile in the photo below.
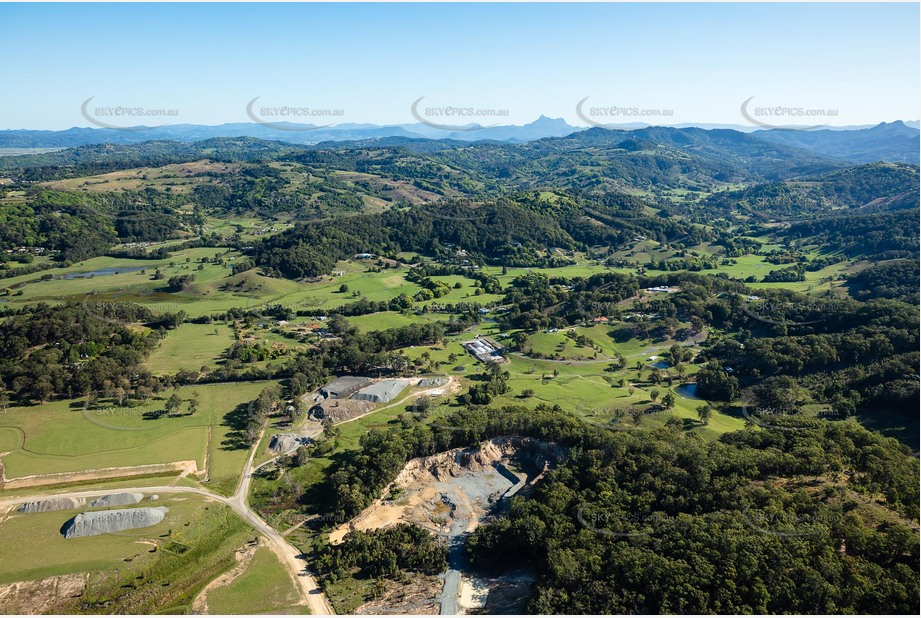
(434, 381)
(105, 522)
(284, 442)
(123, 499)
(341, 388)
(381, 392)
(52, 504)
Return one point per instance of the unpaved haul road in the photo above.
(287, 553)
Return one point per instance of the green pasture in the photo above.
(264, 587)
(62, 436)
(191, 347)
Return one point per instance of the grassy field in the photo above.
(191, 346)
(392, 319)
(264, 587)
(179, 177)
(62, 436)
(32, 547)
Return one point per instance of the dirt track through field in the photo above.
(243, 556)
(289, 556)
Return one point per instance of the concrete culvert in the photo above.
(105, 522)
(52, 504)
(116, 500)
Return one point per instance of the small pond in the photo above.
(104, 271)
(687, 390)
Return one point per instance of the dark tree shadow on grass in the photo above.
(237, 419)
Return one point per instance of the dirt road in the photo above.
(287, 553)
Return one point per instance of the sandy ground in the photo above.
(449, 494)
(473, 593)
(243, 556)
(446, 493)
(44, 596)
(63, 478)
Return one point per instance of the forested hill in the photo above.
(520, 231)
(705, 154)
(870, 187)
(99, 158)
(887, 141)
(647, 159)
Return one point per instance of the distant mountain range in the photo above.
(895, 141)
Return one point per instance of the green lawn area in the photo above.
(32, 547)
(392, 319)
(62, 436)
(190, 346)
(559, 345)
(264, 587)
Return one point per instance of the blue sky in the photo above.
(701, 61)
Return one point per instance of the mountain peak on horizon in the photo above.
(548, 121)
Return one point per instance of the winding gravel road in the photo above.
(287, 553)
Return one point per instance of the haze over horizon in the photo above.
(844, 64)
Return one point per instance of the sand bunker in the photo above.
(116, 500)
(105, 522)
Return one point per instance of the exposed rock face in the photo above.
(51, 504)
(116, 500)
(105, 522)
